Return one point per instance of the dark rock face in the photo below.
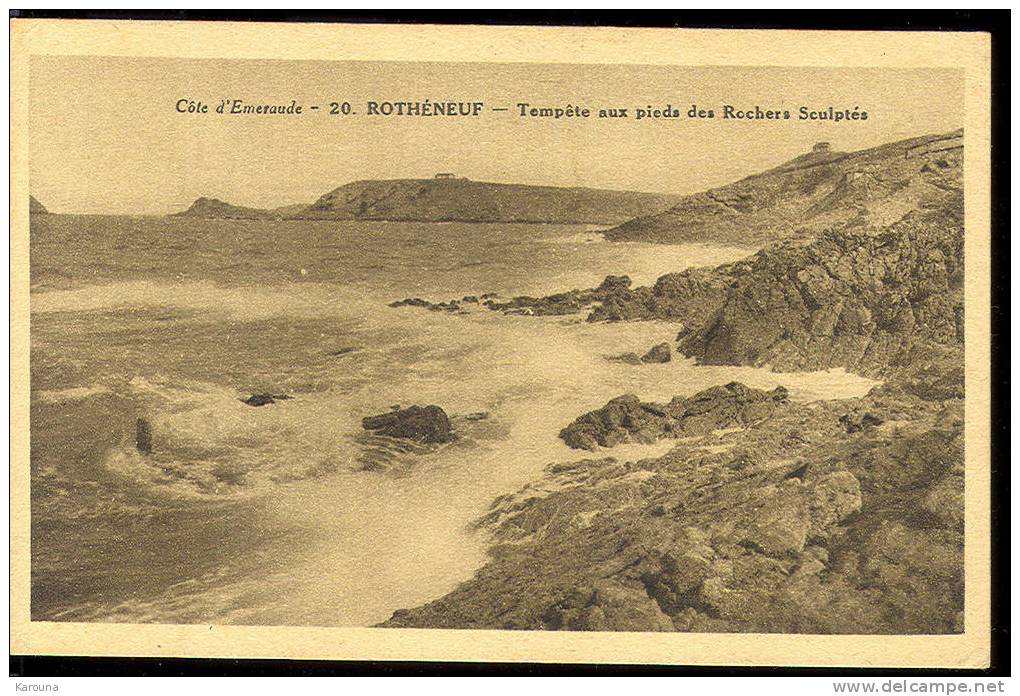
(661, 353)
(627, 419)
(866, 300)
(425, 424)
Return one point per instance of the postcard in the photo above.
(464, 343)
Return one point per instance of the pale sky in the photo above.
(105, 137)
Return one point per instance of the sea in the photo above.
(290, 513)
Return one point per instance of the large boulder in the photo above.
(623, 419)
(658, 354)
(421, 423)
(627, 419)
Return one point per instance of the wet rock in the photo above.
(727, 406)
(658, 354)
(627, 419)
(410, 302)
(428, 424)
(264, 399)
(143, 436)
(623, 419)
(451, 306)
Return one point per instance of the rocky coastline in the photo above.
(835, 516)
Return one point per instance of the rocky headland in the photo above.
(769, 515)
(810, 193)
(213, 208)
(455, 199)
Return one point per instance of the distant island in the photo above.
(215, 208)
(448, 198)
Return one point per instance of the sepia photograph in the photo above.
(579, 347)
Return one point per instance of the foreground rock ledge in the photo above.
(793, 525)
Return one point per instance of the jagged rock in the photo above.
(621, 420)
(451, 306)
(627, 419)
(265, 399)
(730, 405)
(871, 300)
(835, 496)
(614, 284)
(426, 424)
(660, 353)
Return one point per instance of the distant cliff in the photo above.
(215, 208)
(462, 200)
(35, 207)
(812, 192)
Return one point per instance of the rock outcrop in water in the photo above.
(811, 193)
(264, 399)
(627, 419)
(428, 424)
(463, 200)
(660, 353)
(143, 436)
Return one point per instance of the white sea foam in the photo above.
(60, 396)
